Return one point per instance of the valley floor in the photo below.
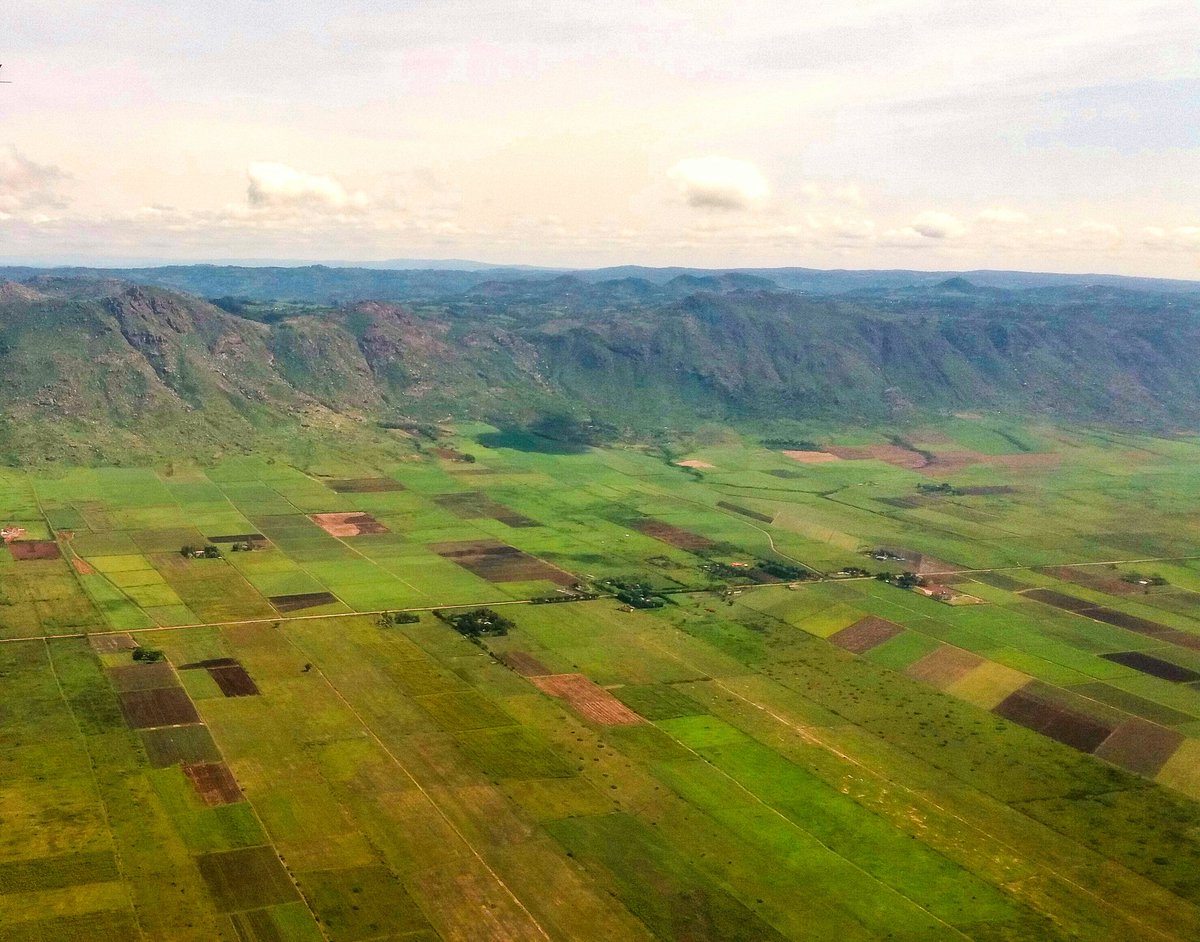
(786, 749)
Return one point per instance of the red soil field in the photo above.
(587, 699)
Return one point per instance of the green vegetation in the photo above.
(275, 745)
(479, 623)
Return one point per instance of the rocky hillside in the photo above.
(102, 368)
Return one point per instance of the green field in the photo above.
(813, 755)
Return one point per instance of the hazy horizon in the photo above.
(910, 134)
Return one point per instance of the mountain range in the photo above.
(105, 364)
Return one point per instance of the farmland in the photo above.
(818, 757)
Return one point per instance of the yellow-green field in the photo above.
(815, 755)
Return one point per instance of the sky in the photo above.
(1047, 135)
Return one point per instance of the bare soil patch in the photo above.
(82, 566)
(214, 783)
(301, 600)
(811, 457)
(1155, 667)
(696, 463)
(943, 666)
(365, 486)
(587, 699)
(1141, 626)
(475, 505)
(34, 549)
(892, 454)
(348, 524)
(865, 634)
(238, 538)
(499, 562)
(234, 681)
(524, 664)
(161, 706)
(675, 536)
(1073, 727)
(8, 534)
(112, 644)
(1068, 603)
(1140, 746)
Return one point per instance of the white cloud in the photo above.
(999, 215)
(26, 185)
(937, 225)
(274, 184)
(719, 182)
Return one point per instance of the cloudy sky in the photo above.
(938, 134)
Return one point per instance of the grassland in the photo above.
(831, 758)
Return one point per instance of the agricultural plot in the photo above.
(837, 758)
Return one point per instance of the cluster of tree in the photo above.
(904, 580)
(147, 655)
(564, 597)
(481, 622)
(885, 554)
(790, 444)
(944, 489)
(853, 571)
(200, 552)
(783, 571)
(388, 619)
(1136, 578)
(243, 546)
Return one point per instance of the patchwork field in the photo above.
(214, 728)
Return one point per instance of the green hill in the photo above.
(102, 368)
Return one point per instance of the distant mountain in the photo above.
(100, 367)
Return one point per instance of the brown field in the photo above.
(1155, 667)
(695, 463)
(249, 878)
(943, 666)
(892, 454)
(142, 676)
(171, 745)
(365, 486)
(294, 603)
(161, 706)
(475, 505)
(448, 454)
(1140, 746)
(587, 699)
(986, 490)
(1028, 707)
(524, 664)
(1061, 600)
(1141, 626)
(866, 633)
(999, 580)
(675, 536)
(111, 644)
(214, 783)
(1181, 639)
(745, 511)
(238, 538)
(234, 681)
(82, 566)
(1101, 580)
(947, 462)
(34, 549)
(348, 524)
(499, 562)
(811, 457)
